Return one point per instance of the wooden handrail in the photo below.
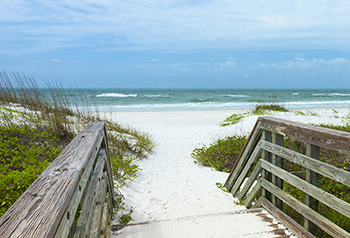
(265, 146)
(77, 185)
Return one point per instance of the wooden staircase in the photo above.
(257, 178)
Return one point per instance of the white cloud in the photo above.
(302, 63)
(55, 60)
(174, 24)
(228, 63)
(154, 60)
(339, 61)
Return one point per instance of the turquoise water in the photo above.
(211, 99)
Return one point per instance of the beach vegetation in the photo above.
(220, 155)
(36, 123)
(221, 187)
(239, 202)
(234, 118)
(126, 218)
(24, 153)
(301, 113)
(262, 108)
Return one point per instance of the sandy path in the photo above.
(170, 185)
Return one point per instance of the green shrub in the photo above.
(25, 153)
(261, 108)
(222, 154)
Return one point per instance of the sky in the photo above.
(178, 43)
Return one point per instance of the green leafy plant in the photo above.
(124, 169)
(221, 154)
(126, 218)
(262, 108)
(25, 152)
(239, 202)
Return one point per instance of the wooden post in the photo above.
(278, 161)
(312, 177)
(267, 135)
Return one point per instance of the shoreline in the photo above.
(341, 109)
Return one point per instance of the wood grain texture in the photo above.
(334, 173)
(252, 195)
(296, 228)
(104, 220)
(89, 203)
(322, 196)
(267, 136)
(97, 219)
(78, 195)
(46, 200)
(307, 212)
(252, 178)
(312, 177)
(248, 147)
(278, 161)
(248, 166)
(320, 136)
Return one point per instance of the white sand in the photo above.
(177, 198)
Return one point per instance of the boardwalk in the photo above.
(172, 196)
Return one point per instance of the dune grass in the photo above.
(260, 109)
(36, 123)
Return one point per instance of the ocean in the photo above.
(210, 99)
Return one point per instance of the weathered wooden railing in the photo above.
(265, 152)
(72, 197)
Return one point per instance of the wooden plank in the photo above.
(292, 225)
(312, 177)
(108, 165)
(266, 136)
(104, 220)
(324, 197)
(109, 216)
(34, 214)
(252, 159)
(322, 168)
(252, 178)
(320, 136)
(278, 161)
(304, 210)
(252, 195)
(100, 202)
(68, 220)
(248, 147)
(89, 204)
(110, 175)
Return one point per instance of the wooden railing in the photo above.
(72, 197)
(258, 175)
